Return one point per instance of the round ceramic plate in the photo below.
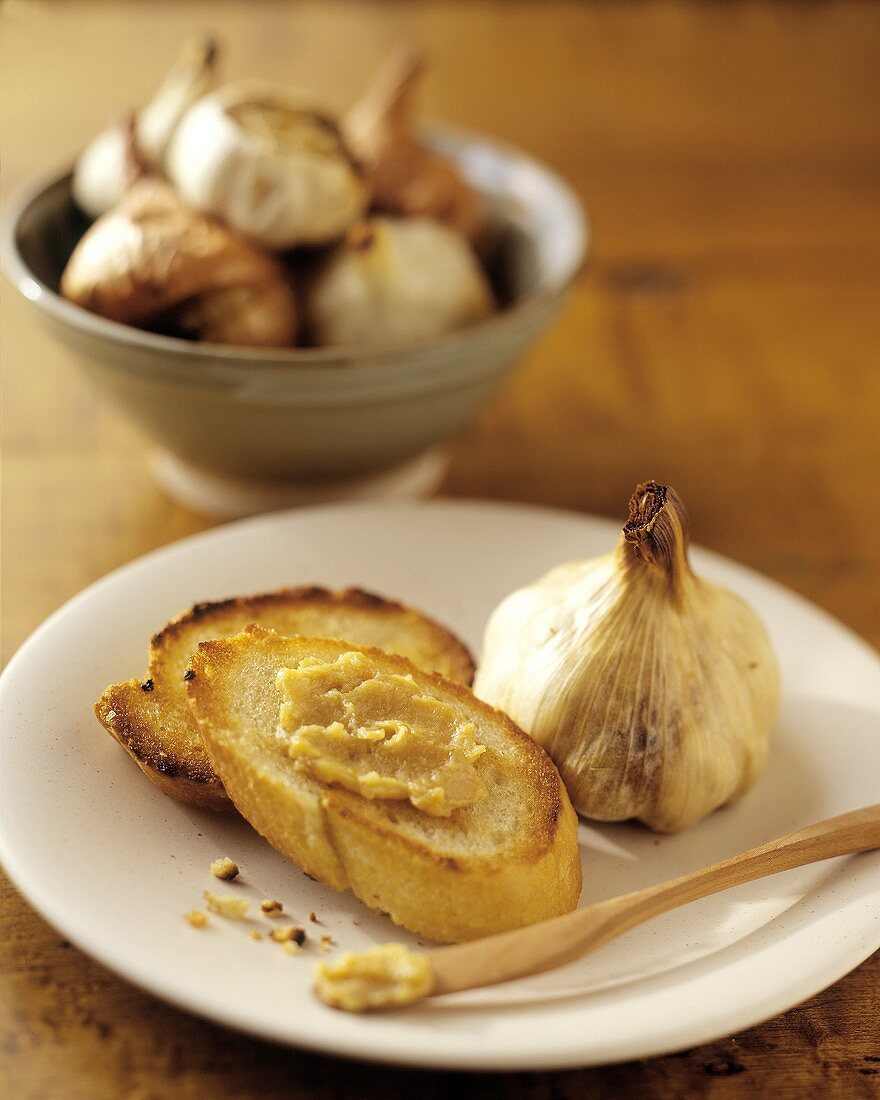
(114, 864)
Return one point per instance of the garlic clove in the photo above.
(408, 179)
(151, 256)
(396, 282)
(270, 164)
(653, 690)
(100, 173)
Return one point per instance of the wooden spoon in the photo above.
(552, 943)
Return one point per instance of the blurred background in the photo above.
(724, 337)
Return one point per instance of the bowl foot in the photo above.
(230, 497)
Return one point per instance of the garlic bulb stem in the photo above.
(656, 536)
(390, 101)
(190, 78)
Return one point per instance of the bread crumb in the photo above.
(291, 948)
(272, 905)
(291, 933)
(327, 942)
(224, 868)
(227, 906)
(313, 918)
(196, 918)
(255, 935)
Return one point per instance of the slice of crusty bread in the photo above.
(509, 859)
(151, 720)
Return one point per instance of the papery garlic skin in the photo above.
(269, 164)
(102, 171)
(397, 282)
(653, 690)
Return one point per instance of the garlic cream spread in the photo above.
(383, 977)
(377, 733)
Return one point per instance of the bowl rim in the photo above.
(31, 287)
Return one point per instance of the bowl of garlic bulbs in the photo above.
(278, 292)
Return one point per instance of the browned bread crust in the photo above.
(510, 859)
(150, 718)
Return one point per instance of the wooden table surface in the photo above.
(726, 338)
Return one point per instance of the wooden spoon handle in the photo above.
(553, 943)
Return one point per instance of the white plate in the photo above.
(113, 864)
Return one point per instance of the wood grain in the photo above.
(724, 338)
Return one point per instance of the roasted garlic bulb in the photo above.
(396, 282)
(407, 178)
(153, 262)
(269, 164)
(100, 176)
(653, 690)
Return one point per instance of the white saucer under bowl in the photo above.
(234, 497)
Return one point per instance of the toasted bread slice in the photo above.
(508, 859)
(151, 720)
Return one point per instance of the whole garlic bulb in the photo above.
(396, 282)
(653, 690)
(153, 262)
(269, 164)
(101, 173)
(408, 179)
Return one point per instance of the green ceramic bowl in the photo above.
(310, 414)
